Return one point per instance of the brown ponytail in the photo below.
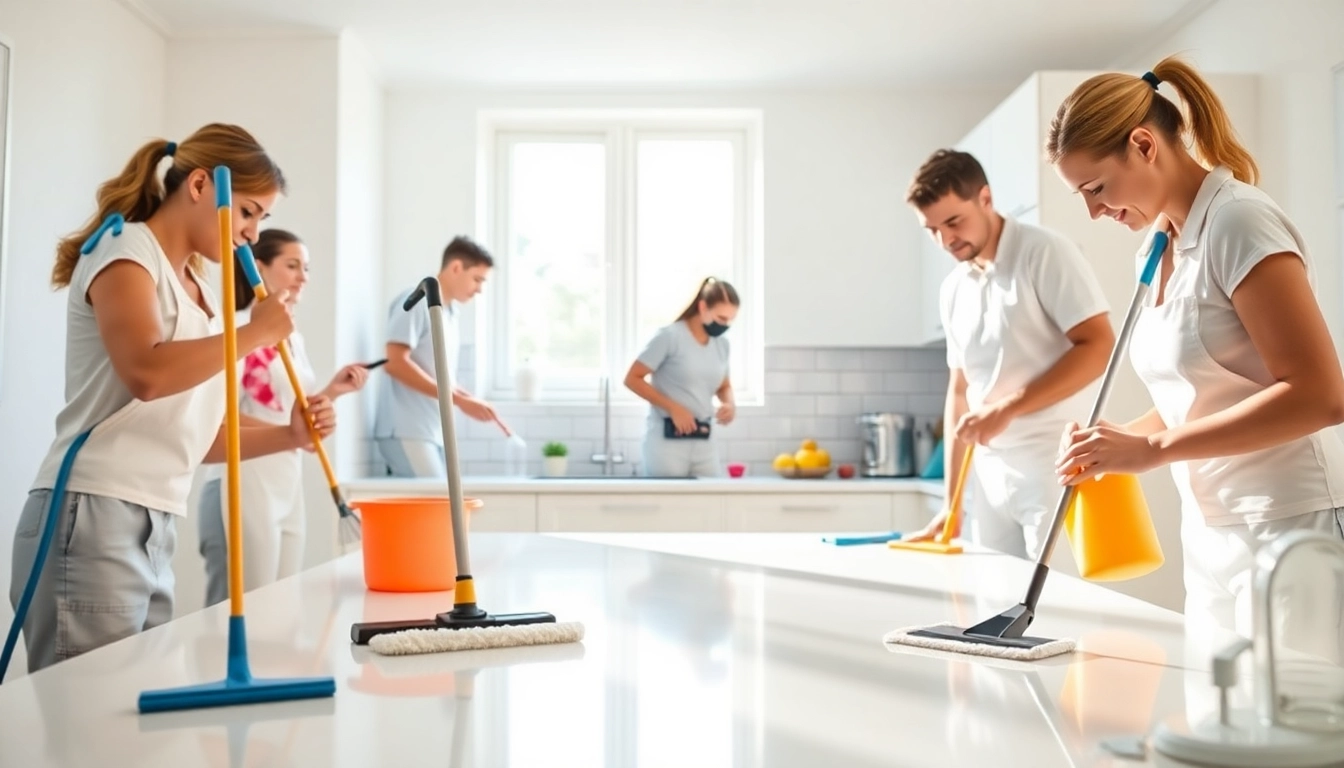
(136, 193)
(1100, 114)
(713, 292)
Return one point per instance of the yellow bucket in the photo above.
(1111, 531)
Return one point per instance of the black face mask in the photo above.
(715, 328)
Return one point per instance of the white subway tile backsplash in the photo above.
(815, 393)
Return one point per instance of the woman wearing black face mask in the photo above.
(688, 364)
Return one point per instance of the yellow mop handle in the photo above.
(259, 290)
(954, 508)
(232, 438)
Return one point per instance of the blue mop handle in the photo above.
(43, 546)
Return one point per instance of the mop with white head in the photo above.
(413, 641)
(1002, 636)
(1035, 653)
(467, 626)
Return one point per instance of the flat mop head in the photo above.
(935, 546)
(945, 637)
(475, 638)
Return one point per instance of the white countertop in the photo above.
(376, 486)
(701, 649)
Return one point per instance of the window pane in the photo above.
(556, 252)
(685, 214)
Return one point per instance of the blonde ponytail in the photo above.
(1098, 117)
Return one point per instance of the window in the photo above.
(604, 225)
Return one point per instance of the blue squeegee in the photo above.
(239, 686)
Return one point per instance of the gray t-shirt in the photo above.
(405, 413)
(685, 370)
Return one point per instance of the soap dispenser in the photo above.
(1298, 686)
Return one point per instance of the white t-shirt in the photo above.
(1196, 358)
(405, 413)
(1007, 324)
(140, 452)
(264, 391)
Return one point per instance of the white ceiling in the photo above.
(795, 43)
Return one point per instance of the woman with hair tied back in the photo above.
(144, 354)
(680, 372)
(1231, 343)
(274, 528)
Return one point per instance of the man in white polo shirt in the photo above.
(407, 426)
(1028, 337)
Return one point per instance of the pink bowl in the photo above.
(737, 470)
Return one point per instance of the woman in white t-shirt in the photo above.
(143, 361)
(273, 525)
(1231, 343)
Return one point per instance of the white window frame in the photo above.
(620, 131)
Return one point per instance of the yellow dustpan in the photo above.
(944, 545)
(1111, 531)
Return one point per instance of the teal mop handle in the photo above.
(43, 547)
(428, 289)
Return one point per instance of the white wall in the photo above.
(359, 208)
(64, 142)
(284, 91)
(1292, 47)
(836, 167)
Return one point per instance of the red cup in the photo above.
(737, 470)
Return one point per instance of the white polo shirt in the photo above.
(1196, 358)
(1006, 325)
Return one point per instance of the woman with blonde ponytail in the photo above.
(680, 372)
(144, 390)
(1231, 343)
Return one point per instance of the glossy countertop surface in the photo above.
(738, 650)
(587, 484)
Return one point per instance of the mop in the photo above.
(238, 687)
(944, 545)
(1001, 636)
(351, 533)
(466, 626)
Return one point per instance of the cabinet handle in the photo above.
(630, 507)
(805, 508)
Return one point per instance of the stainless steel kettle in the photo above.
(888, 445)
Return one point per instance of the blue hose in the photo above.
(48, 533)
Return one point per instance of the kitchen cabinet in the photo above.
(850, 512)
(629, 512)
(505, 512)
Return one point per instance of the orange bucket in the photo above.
(408, 543)
(1111, 531)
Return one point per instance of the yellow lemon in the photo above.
(808, 459)
(809, 445)
(785, 462)
(824, 457)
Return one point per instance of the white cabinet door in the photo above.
(980, 143)
(913, 511)
(506, 512)
(838, 513)
(934, 266)
(1016, 149)
(617, 512)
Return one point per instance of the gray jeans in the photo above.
(108, 575)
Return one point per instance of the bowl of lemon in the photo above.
(807, 463)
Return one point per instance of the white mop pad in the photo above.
(1042, 651)
(474, 638)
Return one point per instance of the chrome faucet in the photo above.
(607, 458)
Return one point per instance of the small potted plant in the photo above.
(555, 460)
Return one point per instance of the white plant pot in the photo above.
(555, 466)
